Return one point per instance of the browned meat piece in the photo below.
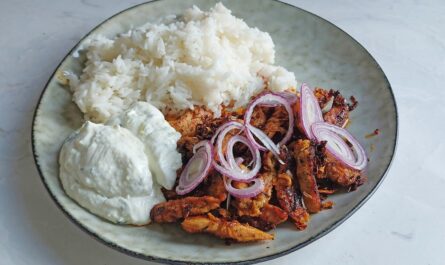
(270, 217)
(185, 147)
(338, 114)
(289, 200)
(276, 126)
(216, 187)
(253, 206)
(187, 122)
(339, 173)
(256, 222)
(170, 194)
(273, 215)
(259, 117)
(320, 160)
(285, 192)
(327, 204)
(323, 96)
(224, 229)
(222, 213)
(300, 218)
(171, 211)
(326, 191)
(304, 153)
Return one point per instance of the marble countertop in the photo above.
(401, 224)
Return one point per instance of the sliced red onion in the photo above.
(266, 141)
(221, 134)
(248, 192)
(310, 111)
(336, 137)
(268, 99)
(230, 168)
(289, 96)
(196, 169)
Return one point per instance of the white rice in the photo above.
(203, 58)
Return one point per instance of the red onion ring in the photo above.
(336, 137)
(289, 96)
(268, 98)
(196, 169)
(310, 111)
(221, 134)
(248, 192)
(230, 168)
(267, 142)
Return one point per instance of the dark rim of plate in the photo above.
(250, 261)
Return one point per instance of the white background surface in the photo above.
(403, 223)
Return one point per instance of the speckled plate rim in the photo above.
(250, 261)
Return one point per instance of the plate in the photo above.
(315, 50)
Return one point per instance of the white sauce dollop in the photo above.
(149, 125)
(106, 170)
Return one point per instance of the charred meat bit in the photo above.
(171, 211)
(216, 187)
(300, 218)
(338, 114)
(187, 122)
(341, 174)
(323, 96)
(256, 222)
(306, 169)
(273, 214)
(252, 206)
(277, 125)
(259, 117)
(224, 229)
(290, 200)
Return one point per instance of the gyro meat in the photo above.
(171, 211)
(304, 153)
(233, 230)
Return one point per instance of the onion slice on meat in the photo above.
(196, 169)
(251, 191)
(230, 168)
(337, 140)
(221, 134)
(310, 111)
(268, 99)
(289, 96)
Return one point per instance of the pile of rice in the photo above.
(200, 58)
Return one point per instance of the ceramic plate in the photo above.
(314, 49)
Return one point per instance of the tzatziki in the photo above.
(106, 170)
(147, 123)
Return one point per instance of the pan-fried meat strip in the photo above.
(171, 211)
(259, 117)
(339, 112)
(277, 124)
(187, 123)
(256, 222)
(270, 217)
(216, 187)
(273, 214)
(323, 96)
(304, 153)
(185, 147)
(288, 195)
(341, 174)
(253, 206)
(290, 200)
(223, 228)
(300, 218)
